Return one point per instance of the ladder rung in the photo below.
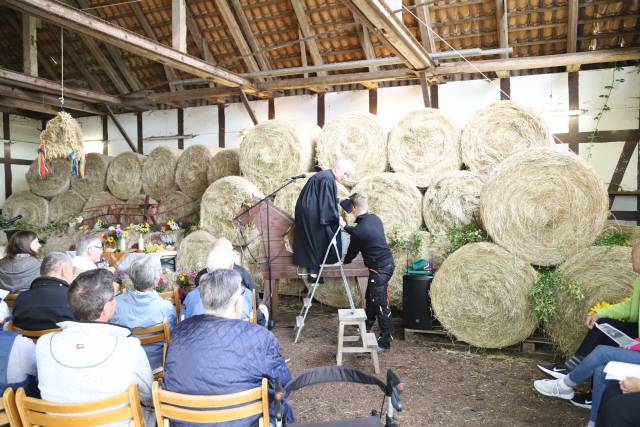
(299, 321)
(306, 302)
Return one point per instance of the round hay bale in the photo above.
(498, 131)
(556, 205)
(481, 294)
(226, 162)
(61, 242)
(177, 206)
(332, 293)
(191, 170)
(34, 209)
(133, 210)
(3, 238)
(453, 200)
(287, 197)
(103, 206)
(223, 201)
(603, 273)
(66, 205)
(276, 149)
(424, 145)
(193, 251)
(124, 176)
(95, 175)
(159, 172)
(357, 137)
(56, 184)
(395, 199)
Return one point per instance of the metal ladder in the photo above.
(300, 318)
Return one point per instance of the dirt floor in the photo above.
(445, 385)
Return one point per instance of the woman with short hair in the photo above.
(21, 265)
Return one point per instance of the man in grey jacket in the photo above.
(91, 359)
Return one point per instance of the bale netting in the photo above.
(395, 199)
(357, 137)
(133, 212)
(276, 149)
(223, 201)
(603, 274)
(124, 176)
(34, 209)
(53, 185)
(66, 205)
(287, 197)
(499, 130)
(159, 172)
(453, 200)
(102, 206)
(481, 294)
(95, 175)
(225, 162)
(543, 205)
(424, 145)
(179, 207)
(194, 250)
(191, 170)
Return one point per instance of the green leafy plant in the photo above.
(43, 231)
(460, 236)
(608, 89)
(544, 294)
(612, 238)
(409, 244)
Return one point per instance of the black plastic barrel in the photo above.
(416, 311)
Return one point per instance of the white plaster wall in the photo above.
(460, 100)
(395, 102)
(203, 123)
(546, 93)
(236, 119)
(300, 107)
(338, 103)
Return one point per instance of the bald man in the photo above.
(317, 218)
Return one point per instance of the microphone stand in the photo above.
(288, 182)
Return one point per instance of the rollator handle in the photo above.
(394, 388)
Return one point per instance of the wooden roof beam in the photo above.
(50, 100)
(425, 26)
(29, 45)
(393, 32)
(84, 23)
(260, 55)
(43, 61)
(369, 53)
(236, 34)
(572, 29)
(308, 33)
(27, 105)
(89, 77)
(502, 26)
(179, 25)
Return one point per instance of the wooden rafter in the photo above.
(23, 104)
(201, 42)
(572, 26)
(426, 30)
(367, 47)
(502, 27)
(105, 65)
(29, 45)
(260, 55)
(88, 76)
(44, 99)
(308, 33)
(179, 25)
(236, 34)
(42, 60)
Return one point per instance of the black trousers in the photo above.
(618, 409)
(377, 304)
(595, 337)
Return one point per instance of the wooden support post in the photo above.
(105, 135)
(425, 90)
(179, 25)
(321, 109)
(221, 130)
(373, 101)
(505, 89)
(29, 45)
(120, 128)
(271, 114)
(247, 106)
(140, 136)
(6, 134)
(180, 128)
(433, 96)
(572, 26)
(502, 26)
(574, 104)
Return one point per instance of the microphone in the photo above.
(304, 175)
(12, 221)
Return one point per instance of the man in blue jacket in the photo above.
(218, 353)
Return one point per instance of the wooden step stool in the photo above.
(356, 317)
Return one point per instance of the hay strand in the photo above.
(453, 200)
(194, 250)
(124, 176)
(481, 294)
(556, 205)
(159, 172)
(357, 137)
(177, 206)
(275, 150)
(53, 185)
(61, 137)
(103, 206)
(424, 145)
(66, 205)
(34, 209)
(191, 170)
(226, 162)
(95, 175)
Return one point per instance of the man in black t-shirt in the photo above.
(367, 236)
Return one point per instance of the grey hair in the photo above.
(53, 262)
(145, 272)
(89, 293)
(85, 242)
(217, 290)
(359, 201)
(220, 257)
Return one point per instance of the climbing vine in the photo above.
(606, 96)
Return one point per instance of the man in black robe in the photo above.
(317, 218)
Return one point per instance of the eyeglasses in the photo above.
(96, 247)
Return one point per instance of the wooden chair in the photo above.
(154, 334)
(8, 410)
(211, 409)
(174, 297)
(254, 314)
(34, 335)
(10, 299)
(37, 412)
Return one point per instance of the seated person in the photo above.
(222, 257)
(17, 359)
(45, 304)
(367, 236)
(91, 359)
(622, 316)
(21, 265)
(591, 366)
(216, 353)
(143, 306)
(619, 405)
(88, 253)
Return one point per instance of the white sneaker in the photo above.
(554, 388)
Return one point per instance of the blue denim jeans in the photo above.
(593, 366)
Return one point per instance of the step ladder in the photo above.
(301, 318)
(369, 343)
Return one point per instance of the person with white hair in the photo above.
(317, 218)
(142, 306)
(88, 253)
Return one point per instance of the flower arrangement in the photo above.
(186, 279)
(142, 228)
(100, 224)
(114, 234)
(172, 225)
